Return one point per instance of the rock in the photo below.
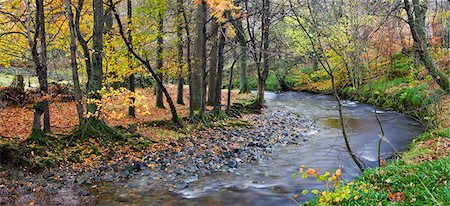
(232, 164)
(124, 174)
(83, 193)
(48, 175)
(191, 178)
(123, 198)
(226, 154)
(181, 172)
(181, 185)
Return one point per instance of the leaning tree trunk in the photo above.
(82, 40)
(173, 110)
(73, 58)
(416, 20)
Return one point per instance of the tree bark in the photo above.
(73, 58)
(230, 81)
(188, 61)
(131, 83)
(199, 60)
(416, 19)
(96, 77)
(213, 65)
(159, 58)
(82, 41)
(180, 90)
(243, 74)
(220, 64)
(262, 75)
(40, 60)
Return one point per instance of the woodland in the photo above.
(94, 92)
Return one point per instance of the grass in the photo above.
(404, 94)
(421, 176)
(272, 83)
(6, 80)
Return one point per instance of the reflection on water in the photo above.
(269, 182)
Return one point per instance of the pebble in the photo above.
(218, 150)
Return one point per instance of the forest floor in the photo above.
(72, 174)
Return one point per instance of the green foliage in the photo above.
(402, 94)
(401, 66)
(334, 192)
(400, 182)
(272, 83)
(38, 137)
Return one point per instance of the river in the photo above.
(270, 181)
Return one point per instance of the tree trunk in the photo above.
(159, 58)
(240, 33)
(82, 41)
(40, 60)
(243, 80)
(416, 19)
(199, 60)
(188, 61)
(73, 58)
(220, 64)
(131, 83)
(96, 77)
(213, 65)
(230, 81)
(262, 76)
(180, 90)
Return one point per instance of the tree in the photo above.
(146, 63)
(179, 22)
(74, 64)
(212, 63)
(416, 12)
(159, 52)
(220, 65)
(264, 73)
(199, 59)
(315, 37)
(40, 61)
(131, 83)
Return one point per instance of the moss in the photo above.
(38, 137)
(94, 128)
(401, 94)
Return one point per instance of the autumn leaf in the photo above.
(396, 197)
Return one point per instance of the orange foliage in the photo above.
(17, 121)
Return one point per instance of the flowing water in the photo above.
(270, 181)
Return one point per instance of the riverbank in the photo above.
(173, 164)
(419, 176)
